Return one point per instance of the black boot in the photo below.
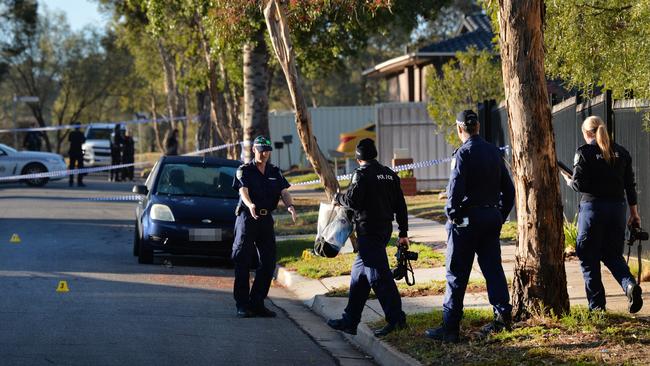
(501, 322)
(244, 313)
(635, 301)
(342, 325)
(388, 328)
(444, 334)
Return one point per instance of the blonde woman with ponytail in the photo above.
(602, 173)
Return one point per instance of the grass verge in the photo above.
(430, 288)
(427, 205)
(579, 338)
(290, 255)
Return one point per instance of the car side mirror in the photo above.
(140, 189)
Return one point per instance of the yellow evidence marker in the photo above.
(15, 239)
(63, 287)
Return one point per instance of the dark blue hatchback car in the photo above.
(188, 208)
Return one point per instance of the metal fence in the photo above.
(408, 126)
(624, 120)
(327, 124)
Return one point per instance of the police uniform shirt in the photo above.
(376, 197)
(263, 189)
(478, 178)
(595, 178)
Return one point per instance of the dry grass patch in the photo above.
(580, 338)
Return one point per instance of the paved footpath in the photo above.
(433, 233)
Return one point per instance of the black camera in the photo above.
(403, 254)
(404, 258)
(636, 233)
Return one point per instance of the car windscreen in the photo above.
(9, 149)
(179, 179)
(99, 134)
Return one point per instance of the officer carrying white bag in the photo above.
(334, 229)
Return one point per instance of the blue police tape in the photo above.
(67, 127)
(130, 198)
(63, 173)
(399, 168)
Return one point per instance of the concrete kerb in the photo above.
(311, 293)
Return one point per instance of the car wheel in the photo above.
(145, 253)
(35, 168)
(136, 241)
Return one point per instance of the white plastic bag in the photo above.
(334, 229)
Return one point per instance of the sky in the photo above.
(78, 12)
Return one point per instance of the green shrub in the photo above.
(405, 174)
(570, 233)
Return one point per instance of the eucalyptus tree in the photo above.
(539, 285)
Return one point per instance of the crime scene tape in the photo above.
(67, 127)
(399, 168)
(63, 173)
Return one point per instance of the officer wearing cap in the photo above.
(603, 174)
(480, 197)
(376, 197)
(260, 185)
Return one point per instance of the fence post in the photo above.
(609, 113)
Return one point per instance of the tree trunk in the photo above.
(232, 109)
(175, 99)
(154, 116)
(203, 138)
(278, 28)
(256, 96)
(216, 137)
(540, 279)
(224, 111)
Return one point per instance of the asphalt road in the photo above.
(178, 311)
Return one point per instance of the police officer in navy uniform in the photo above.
(480, 197)
(376, 197)
(602, 173)
(260, 185)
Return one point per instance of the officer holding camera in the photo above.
(480, 197)
(376, 198)
(602, 173)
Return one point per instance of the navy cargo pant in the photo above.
(601, 237)
(253, 236)
(371, 270)
(480, 237)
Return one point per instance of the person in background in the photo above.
(171, 143)
(128, 155)
(116, 153)
(76, 154)
(33, 139)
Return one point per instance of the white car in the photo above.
(13, 162)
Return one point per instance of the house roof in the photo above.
(473, 22)
(480, 39)
(475, 30)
